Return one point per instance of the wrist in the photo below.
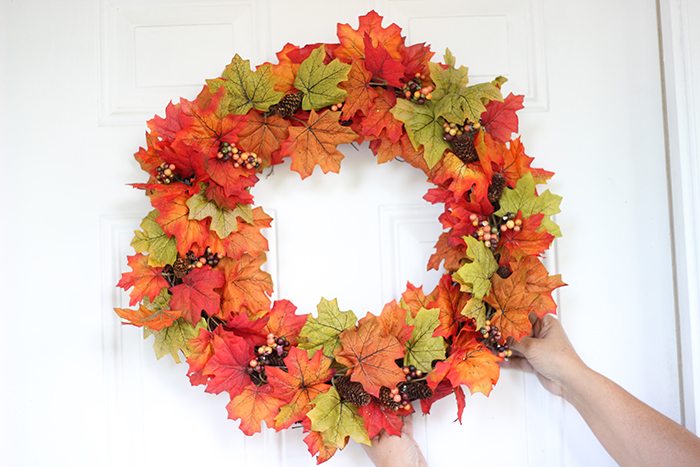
(575, 383)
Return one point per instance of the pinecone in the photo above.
(463, 147)
(288, 106)
(181, 268)
(504, 271)
(352, 391)
(498, 183)
(387, 399)
(417, 390)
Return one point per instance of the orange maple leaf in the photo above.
(393, 321)
(196, 294)
(352, 45)
(379, 118)
(529, 241)
(304, 379)
(145, 317)
(516, 164)
(413, 299)
(452, 173)
(444, 251)
(451, 301)
(248, 239)
(284, 322)
(369, 354)
(201, 350)
(360, 93)
(286, 69)
(147, 281)
(247, 288)
(386, 150)
(262, 135)
(254, 405)
(316, 143)
(174, 220)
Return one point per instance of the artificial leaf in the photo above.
(317, 446)
(254, 405)
(460, 178)
(316, 143)
(422, 348)
(151, 239)
(352, 45)
(379, 418)
(304, 379)
(369, 354)
(382, 66)
(337, 420)
(386, 150)
(174, 339)
(154, 315)
(529, 241)
(286, 69)
(228, 365)
(234, 181)
(223, 221)
(423, 128)
(476, 310)
(523, 198)
(393, 321)
(201, 350)
(360, 93)
(512, 303)
(444, 252)
(147, 281)
(322, 331)
(196, 294)
(247, 288)
(379, 119)
(248, 239)
(500, 118)
(319, 82)
(475, 277)
(263, 135)
(450, 300)
(413, 299)
(174, 219)
(539, 282)
(284, 322)
(246, 89)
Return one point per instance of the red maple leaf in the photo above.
(416, 58)
(379, 418)
(529, 241)
(500, 118)
(382, 66)
(228, 364)
(196, 294)
(147, 281)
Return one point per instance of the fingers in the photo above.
(521, 347)
(519, 363)
(407, 425)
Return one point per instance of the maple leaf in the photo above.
(524, 199)
(304, 379)
(455, 100)
(475, 277)
(451, 301)
(174, 339)
(151, 239)
(352, 45)
(423, 128)
(460, 178)
(248, 239)
(322, 331)
(201, 350)
(319, 82)
(360, 93)
(470, 364)
(254, 405)
(529, 241)
(147, 281)
(422, 348)
(500, 118)
(251, 330)
(393, 321)
(154, 315)
(379, 418)
(247, 288)
(386, 150)
(246, 89)
(316, 143)
(233, 180)
(452, 256)
(284, 322)
(381, 64)
(538, 282)
(416, 59)
(413, 299)
(369, 354)
(316, 446)
(227, 366)
(196, 294)
(337, 420)
(223, 221)
(262, 135)
(380, 119)
(174, 219)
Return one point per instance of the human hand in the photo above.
(390, 451)
(549, 354)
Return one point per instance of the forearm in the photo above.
(633, 433)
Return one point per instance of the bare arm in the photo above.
(633, 433)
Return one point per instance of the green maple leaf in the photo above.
(454, 99)
(151, 239)
(319, 82)
(423, 128)
(475, 277)
(160, 302)
(322, 332)
(336, 419)
(476, 310)
(173, 340)
(422, 348)
(223, 221)
(246, 89)
(524, 198)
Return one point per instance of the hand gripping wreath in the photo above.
(196, 275)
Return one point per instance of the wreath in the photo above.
(196, 273)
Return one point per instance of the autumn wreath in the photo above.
(197, 275)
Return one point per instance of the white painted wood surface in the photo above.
(77, 81)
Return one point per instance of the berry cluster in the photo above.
(228, 151)
(492, 338)
(489, 232)
(165, 173)
(271, 354)
(412, 372)
(337, 107)
(174, 273)
(415, 91)
(461, 140)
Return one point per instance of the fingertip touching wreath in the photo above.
(196, 274)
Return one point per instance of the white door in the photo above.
(80, 77)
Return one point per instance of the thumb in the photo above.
(523, 346)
